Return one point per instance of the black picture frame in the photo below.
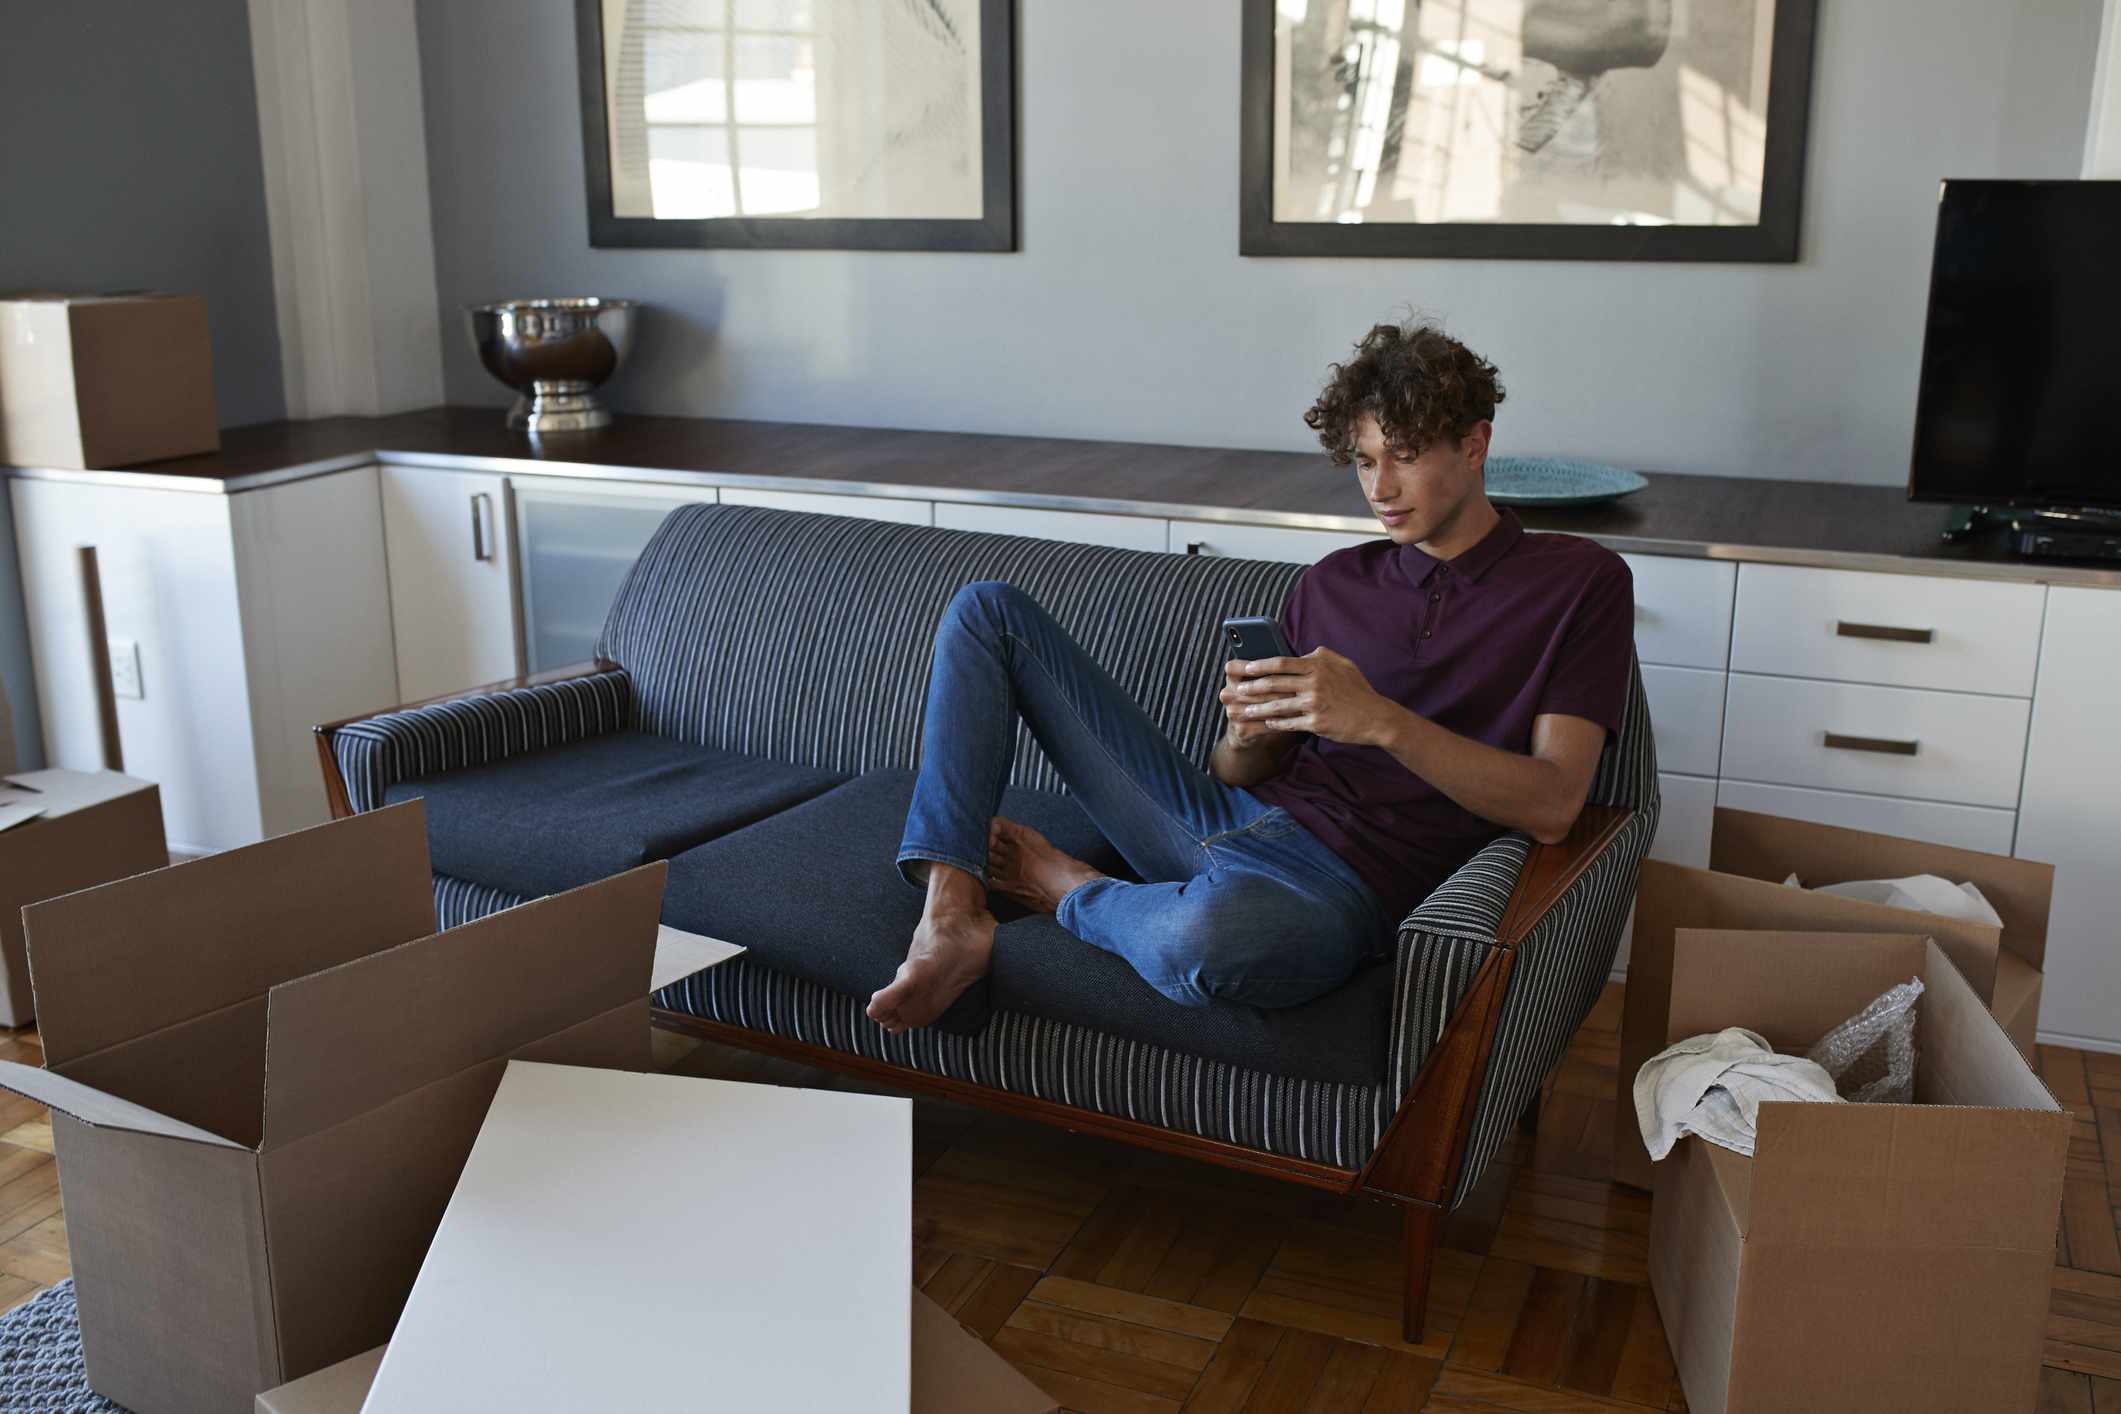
(1774, 240)
(994, 230)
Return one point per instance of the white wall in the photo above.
(1128, 313)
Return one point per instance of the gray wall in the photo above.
(1128, 313)
(129, 158)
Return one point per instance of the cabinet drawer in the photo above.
(1260, 542)
(1948, 746)
(826, 503)
(1904, 630)
(1686, 717)
(1682, 610)
(1083, 527)
(1960, 826)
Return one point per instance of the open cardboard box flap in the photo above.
(335, 1043)
(1773, 848)
(211, 933)
(343, 1041)
(93, 1106)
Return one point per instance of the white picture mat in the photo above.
(619, 1239)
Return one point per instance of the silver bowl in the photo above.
(554, 353)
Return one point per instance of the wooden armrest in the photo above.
(335, 780)
(1553, 867)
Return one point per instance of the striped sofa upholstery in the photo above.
(377, 752)
(807, 639)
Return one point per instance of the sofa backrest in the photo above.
(807, 638)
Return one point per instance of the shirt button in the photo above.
(1435, 598)
(1425, 633)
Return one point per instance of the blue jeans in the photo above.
(1237, 901)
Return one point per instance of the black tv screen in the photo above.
(2020, 400)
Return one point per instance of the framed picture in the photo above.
(1525, 129)
(799, 124)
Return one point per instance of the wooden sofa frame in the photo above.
(1416, 1162)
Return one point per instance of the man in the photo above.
(1456, 679)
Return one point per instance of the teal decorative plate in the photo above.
(1555, 481)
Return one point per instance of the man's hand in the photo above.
(1322, 693)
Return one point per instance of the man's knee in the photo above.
(1204, 941)
(987, 605)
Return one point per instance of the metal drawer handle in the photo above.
(1883, 746)
(1887, 632)
(481, 517)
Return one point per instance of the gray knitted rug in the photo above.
(40, 1359)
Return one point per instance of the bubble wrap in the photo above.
(1872, 1055)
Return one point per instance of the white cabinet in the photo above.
(452, 579)
(255, 617)
(1687, 814)
(1686, 717)
(1962, 635)
(316, 627)
(1087, 527)
(575, 541)
(1682, 610)
(2070, 815)
(906, 512)
(1950, 746)
(1259, 542)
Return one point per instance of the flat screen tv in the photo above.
(2020, 398)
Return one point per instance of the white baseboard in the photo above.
(2105, 1045)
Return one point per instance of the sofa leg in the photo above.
(1424, 1226)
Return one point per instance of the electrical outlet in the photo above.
(125, 678)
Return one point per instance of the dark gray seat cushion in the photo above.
(814, 893)
(1042, 969)
(550, 820)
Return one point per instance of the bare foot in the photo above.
(1024, 865)
(950, 952)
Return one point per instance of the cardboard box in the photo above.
(953, 1373)
(61, 831)
(1749, 857)
(265, 1069)
(104, 380)
(1866, 1256)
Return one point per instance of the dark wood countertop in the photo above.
(1868, 527)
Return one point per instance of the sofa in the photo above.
(753, 717)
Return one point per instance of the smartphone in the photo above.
(1249, 639)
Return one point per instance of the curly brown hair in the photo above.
(1422, 386)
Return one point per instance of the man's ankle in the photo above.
(953, 893)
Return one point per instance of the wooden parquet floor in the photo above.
(1132, 1283)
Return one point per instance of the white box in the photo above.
(607, 1221)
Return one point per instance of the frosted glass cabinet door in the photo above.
(576, 539)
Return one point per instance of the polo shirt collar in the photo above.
(1473, 563)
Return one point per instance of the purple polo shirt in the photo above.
(1516, 627)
